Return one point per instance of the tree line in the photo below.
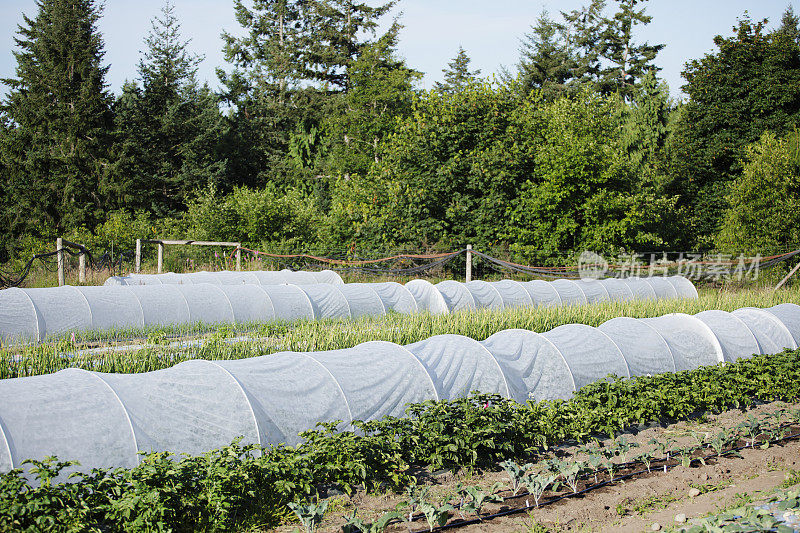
(321, 140)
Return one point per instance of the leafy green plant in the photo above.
(479, 497)
(570, 471)
(415, 497)
(435, 515)
(610, 467)
(595, 461)
(662, 446)
(622, 447)
(355, 524)
(309, 514)
(718, 441)
(752, 428)
(537, 484)
(646, 458)
(516, 474)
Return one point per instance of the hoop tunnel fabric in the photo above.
(692, 342)
(34, 315)
(229, 277)
(734, 336)
(105, 420)
(771, 333)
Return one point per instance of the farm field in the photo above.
(441, 443)
(630, 505)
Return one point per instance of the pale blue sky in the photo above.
(489, 31)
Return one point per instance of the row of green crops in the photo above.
(566, 474)
(333, 335)
(237, 488)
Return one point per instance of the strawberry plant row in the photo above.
(238, 487)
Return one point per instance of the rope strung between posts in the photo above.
(437, 260)
(721, 267)
(106, 261)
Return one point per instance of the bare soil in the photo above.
(632, 505)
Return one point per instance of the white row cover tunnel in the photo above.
(35, 315)
(104, 420)
(228, 277)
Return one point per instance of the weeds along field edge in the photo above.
(145, 350)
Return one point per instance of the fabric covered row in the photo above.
(507, 294)
(31, 315)
(105, 420)
(228, 277)
(34, 315)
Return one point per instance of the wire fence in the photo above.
(105, 261)
(692, 265)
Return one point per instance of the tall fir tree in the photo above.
(56, 146)
(627, 61)
(645, 123)
(582, 29)
(289, 71)
(264, 89)
(546, 61)
(790, 25)
(336, 38)
(457, 76)
(170, 127)
(381, 91)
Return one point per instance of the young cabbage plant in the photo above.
(571, 471)
(662, 446)
(310, 514)
(537, 485)
(751, 428)
(415, 497)
(516, 474)
(435, 515)
(623, 447)
(719, 441)
(595, 462)
(609, 466)
(646, 458)
(357, 525)
(479, 498)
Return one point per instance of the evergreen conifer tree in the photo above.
(790, 25)
(55, 147)
(628, 62)
(170, 127)
(545, 59)
(458, 76)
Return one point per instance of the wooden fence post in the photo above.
(160, 256)
(789, 275)
(469, 263)
(82, 267)
(60, 257)
(137, 260)
(238, 256)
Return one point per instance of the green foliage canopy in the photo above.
(764, 212)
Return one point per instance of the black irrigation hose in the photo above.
(599, 485)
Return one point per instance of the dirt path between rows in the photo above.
(634, 505)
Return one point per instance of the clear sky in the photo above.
(489, 31)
